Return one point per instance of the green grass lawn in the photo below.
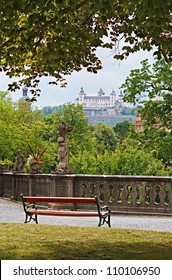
(42, 242)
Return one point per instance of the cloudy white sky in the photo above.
(109, 78)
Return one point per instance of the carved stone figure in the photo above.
(20, 162)
(63, 151)
(63, 130)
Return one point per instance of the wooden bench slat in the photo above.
(63, 213)
(60, 199)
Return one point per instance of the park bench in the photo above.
(32, 208)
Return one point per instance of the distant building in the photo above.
(24, 97)
(101, 104)
(24, 100)
(140, 123)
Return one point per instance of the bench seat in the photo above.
(63, 213)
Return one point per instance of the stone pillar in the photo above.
(61, 186)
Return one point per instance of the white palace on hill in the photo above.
(101, 103)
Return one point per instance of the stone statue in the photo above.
(63, 151)
(63, 130)
(20, 162)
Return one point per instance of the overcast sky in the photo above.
(109, 78)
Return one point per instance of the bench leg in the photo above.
(36, 219)
(28, 219)
(100, 221)
(104, 219)
(109, 221)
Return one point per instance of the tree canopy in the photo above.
(56, 37)
(94, 149)
(151, 86)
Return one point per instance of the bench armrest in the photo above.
(35, 206)
(32, 205)
(104, 208)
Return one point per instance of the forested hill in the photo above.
(48, 110)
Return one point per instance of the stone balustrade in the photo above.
(124, 194)
(128, 194)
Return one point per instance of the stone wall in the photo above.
(123, 194)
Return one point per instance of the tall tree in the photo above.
(7, 110)
(80, 138)
(56, 37)
(105, 137)
(19, 126)
(73, 115)
(122, 129)
(157, 142)
(151, 86)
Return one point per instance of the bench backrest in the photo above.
(75, 200)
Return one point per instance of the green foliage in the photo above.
(128, 111)
(30, 31)
(50, 158)
(80, 138)
(48, 110)
(159, 143)
(19, 126)
(128, 161)
(134, 161)
(122, 130)
(52, 122)
(94, 149)
(152, 87)
(105, 137)
(7, 111)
